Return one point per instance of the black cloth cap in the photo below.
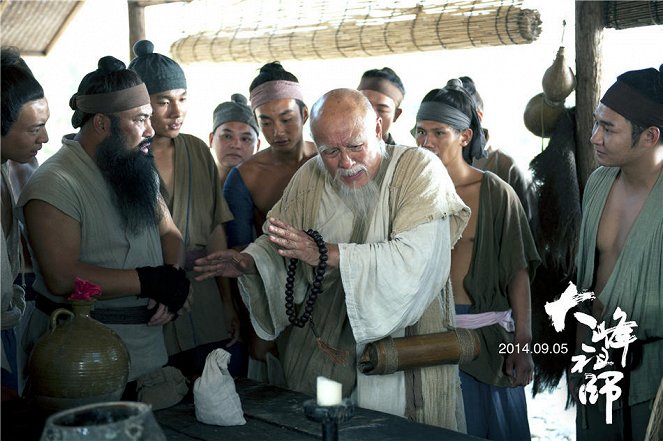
(234, 110)
(159, 72)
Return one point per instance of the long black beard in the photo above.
(132, 176)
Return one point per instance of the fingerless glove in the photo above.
(165, 284)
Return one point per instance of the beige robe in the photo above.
(383, 286)
(198, 207)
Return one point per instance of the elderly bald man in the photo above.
(357, 249)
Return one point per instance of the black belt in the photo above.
(131, 315)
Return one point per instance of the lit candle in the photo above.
(329, 393)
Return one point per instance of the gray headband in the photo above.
(440, 112)
(446, 114)
(112, 102)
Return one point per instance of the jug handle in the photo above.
(56, 314)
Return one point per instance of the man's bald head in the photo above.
(348, 135)
(340, 105)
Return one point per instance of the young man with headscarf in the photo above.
(93, 211)
(620, 256)
(491, 266)
(278, 104)
(257, 184)
(386, 219)
(384, 89)
(190, 185)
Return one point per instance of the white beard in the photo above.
(360, 200)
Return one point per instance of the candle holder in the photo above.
(329, 416)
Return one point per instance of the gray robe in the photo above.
(71, 182)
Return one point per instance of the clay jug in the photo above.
(558, 80)
(78, 361)
(541, 115)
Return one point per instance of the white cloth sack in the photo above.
(214, 395)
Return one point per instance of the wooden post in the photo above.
(589, 39)
(136, 24)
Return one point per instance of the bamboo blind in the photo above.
(323, 29)
(34, 26)
(631, 14)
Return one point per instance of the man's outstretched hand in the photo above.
(225, 263)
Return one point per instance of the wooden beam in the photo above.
(63, 26)
(589, 40)
(136, 24)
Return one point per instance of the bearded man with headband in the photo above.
(93, 211)
(619, 254)
(386, 219)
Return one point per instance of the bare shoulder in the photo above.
(259, 159)
(470, 183)
(256, 165)
(310, 150)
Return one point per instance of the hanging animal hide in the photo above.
(555, 225)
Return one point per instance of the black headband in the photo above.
(634, 106)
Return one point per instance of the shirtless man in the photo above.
(253, 187)
(491, 266)
(621, 244)
(278, 104)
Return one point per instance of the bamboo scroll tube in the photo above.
(389, 355)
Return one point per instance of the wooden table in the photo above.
(277, 414)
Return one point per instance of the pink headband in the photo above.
(383, 86)
(113, 102)
(275, 90)
(633, 105)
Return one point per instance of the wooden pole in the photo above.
(63, 26)
(589, 39)
(136, 24)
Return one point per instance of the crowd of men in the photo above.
(295, 255)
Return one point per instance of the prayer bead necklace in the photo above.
(317, 283)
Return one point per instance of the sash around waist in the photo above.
(131, 315)
(475, 321)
